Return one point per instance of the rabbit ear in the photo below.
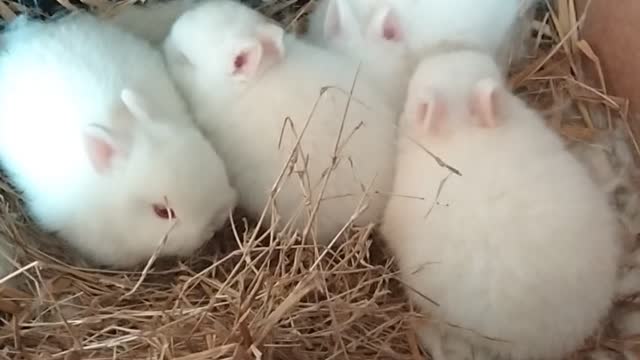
(246, 60)
(135, 105)
(271, 37)
(430, 112)
(339, 19)
(104, 143)
(485, 102)
(267, 48)
(103, 146)
(385, 24)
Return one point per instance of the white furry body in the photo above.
(487, 25)
(493, 26)
(246, 121)
(389, 64)
(152, 21)
(522, 247)
(58, 78)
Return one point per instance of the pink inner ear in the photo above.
(484, 107)
(430, 115)
(247, 60)
(240, 62)
(100, 153)
(390, 32)
(391, 28)
(270, 49)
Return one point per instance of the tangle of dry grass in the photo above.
(260, 294)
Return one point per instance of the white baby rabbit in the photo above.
(521, 250)
(493, 26)
(245, 77)
(152, 21)
(423, 26)
(376, 37)
(95, 134)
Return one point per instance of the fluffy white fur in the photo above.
(521, 247)
(243, 105)
(495, 26)
(68, 85)
(152, 21)
(357, 28)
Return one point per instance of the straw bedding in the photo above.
(254, 294)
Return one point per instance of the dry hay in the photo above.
(265, 295)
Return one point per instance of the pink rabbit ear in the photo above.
(430, 114)
(102, 147)
(267, 48)
(246, 60)
(339, 19)
(484, 103)
(386, 24)
(103, 143)
(271, 37)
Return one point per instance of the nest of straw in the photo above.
(255, 294)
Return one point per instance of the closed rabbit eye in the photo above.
(163, 212)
